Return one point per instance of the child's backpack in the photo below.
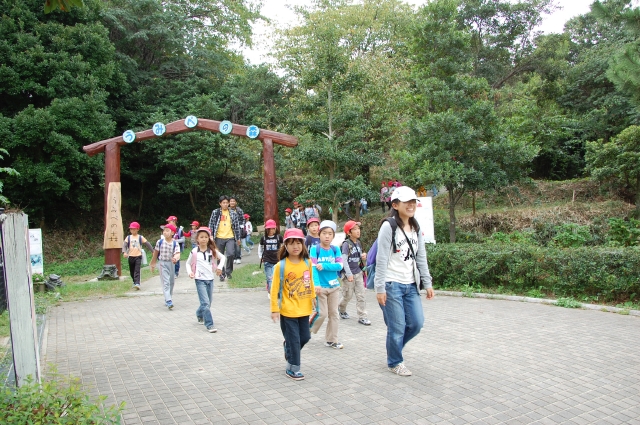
(173, 246)
(129, 240)
(373, 252)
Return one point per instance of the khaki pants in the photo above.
(328, 299)
(348, 289)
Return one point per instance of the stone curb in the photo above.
(547, 301)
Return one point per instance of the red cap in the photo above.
(350, 225)
(172, 218)
(195, 223)
(390, 183)
(287, 210)
(270, 224)
(246, 216)
(313, 220)
(172, 227)
(293, 234)
(134, 225)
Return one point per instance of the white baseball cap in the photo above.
(328, 223)
(404, 194)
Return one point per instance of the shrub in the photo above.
(623, 232)
(59, 401)
(571, 235)
(607, 274)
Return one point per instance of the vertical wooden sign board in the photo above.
(22, 314)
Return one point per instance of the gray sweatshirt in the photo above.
(384, 257)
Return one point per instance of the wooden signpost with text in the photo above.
(113, 232)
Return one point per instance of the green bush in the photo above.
(59, 401)
(605, 274)
(623, 232)
(571, 235)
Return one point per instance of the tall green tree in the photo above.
(618, 160)
(331, 58)
(456, 138)
(58, 72)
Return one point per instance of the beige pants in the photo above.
(328, 299)
(348, 289)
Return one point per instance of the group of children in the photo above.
(299, 216)
(304, 284)
(303, 273)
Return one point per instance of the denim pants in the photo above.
(228, 248)
(268, 272)
(403, 316)
(296, 334)
(205, 294)
(247, 241)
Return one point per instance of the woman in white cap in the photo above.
(401, 270)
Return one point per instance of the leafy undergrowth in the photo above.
(58, 400)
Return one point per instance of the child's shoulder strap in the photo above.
(282, 264)
(140, 239)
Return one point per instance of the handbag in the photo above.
(144, 256)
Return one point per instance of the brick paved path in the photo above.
(476, 361)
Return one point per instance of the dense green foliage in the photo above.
(58, 401)
(464, 94)
(603, 274)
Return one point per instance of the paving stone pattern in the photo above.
(476, 361)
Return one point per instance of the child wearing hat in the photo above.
(167, 253)
(132, 250)
(203, 267)
(248, 228)
(268, 250)
(289, 222)
(192, 234)
(179, 238)
(327, 262)
(313, 234)
(293, 298)
(353, 279)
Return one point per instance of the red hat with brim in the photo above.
(195, 223)
(287, 210)
(172, 227)
(134, 225)
(349, 225)
(204, 229)
(172, 218)
(293, 234)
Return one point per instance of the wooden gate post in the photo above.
(270, 189)
(111, 175)
(21, 306)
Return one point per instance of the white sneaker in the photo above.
(400, 369)
(238, 261)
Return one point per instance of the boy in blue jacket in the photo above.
(327, 262)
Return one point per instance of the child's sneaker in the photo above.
(365, 322)
(136, 287)
(344, 315)
(212, 330)
(200, 320)
(336, 345)
(170, 305)
(400, 369)
(296, 376)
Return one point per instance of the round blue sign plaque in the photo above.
(226, 127)
(159, 129)
(191, 121)
(129, 136)
(253, 131)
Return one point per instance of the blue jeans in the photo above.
(296, 334)
(247, 241)
(403, 316)
(268, 272)
(205, 294)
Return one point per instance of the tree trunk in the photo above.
(141, 197)
(638, 197)
(473, 203)
(452, 214)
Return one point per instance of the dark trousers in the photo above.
(228, 248)
(296, 334)
(382, 204)
(134, 269)
(303, 227)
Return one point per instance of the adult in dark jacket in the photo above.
(226, 228)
